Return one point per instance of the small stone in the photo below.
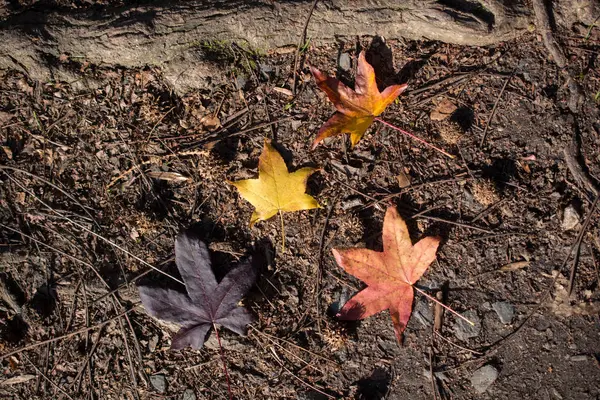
(570, 218)
(344, 62)
(579, 358)
(483, 378)
(188, 395)
(505, 311)
(159, 382)
(422, 313)
(352, 203)
(463, 330)
(296, 123)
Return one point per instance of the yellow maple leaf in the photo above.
(276, 190)
(356, 109)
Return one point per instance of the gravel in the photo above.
(463, 330)
(483, 378)
(505, 311)
(159, 382)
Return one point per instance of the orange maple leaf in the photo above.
(390, 274)
(356, 108)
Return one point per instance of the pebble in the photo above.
(463, 330)
(483, 378)
(159, 382)
(352, 203)
(505, 311)
(188, 395)
(570, 218)
(422, 313)
(579, 358)
(345, 63)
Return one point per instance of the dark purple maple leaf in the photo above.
(207, 303)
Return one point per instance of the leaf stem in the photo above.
(443, 305)
(224, 362)
(413, 137)
(282, 233)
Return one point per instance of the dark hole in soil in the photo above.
(44, 300)
(550, 91)
(464, 117)
(14, 329)
(375, 386)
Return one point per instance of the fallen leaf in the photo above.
(276, 189)
(206, 303)
(443, 110)
(16, 380)
(514, 266)
(356, 108)
(389, 275)
(403, 179)
(210, 122)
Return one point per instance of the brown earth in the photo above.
(79, 208)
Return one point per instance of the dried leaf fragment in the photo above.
(276, 189)
(356, 109)
(389, 275)
(443, 110)
(167, 176)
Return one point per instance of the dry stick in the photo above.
(475, 228)
(67, 335)
(97, 235)
(298, 378)
(253, 128)
(572, 153)
(268, 336)
(443, 305)
(439, 312)
(224, 361)
(433, 385)
(543, 24)
(46, 378)
(282, 233)
(413, 137)
(489, 121)
(301, 43)
(53, 186)
(492, 348)
(456, 345)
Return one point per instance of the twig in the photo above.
(432, 376)
(209, 143)
(53, 186)
(577, 245)
(224, 360)
(572, 153)
(438, 319)
(456, 345)
(293, 345)
(298, 378)
(475, 228)
(282, 233)
(301, 43)
(67, 335)
(443, 305)
(489, 121)
(46, 378)
(413, 137)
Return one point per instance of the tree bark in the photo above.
(166, 34)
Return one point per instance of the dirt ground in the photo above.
(84, 210)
